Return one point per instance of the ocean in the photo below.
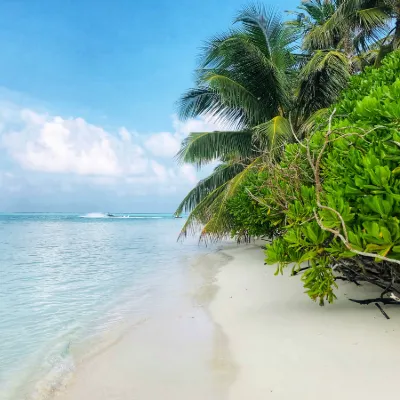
(67, 279)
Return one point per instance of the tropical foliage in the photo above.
(372, 25)
(252, 80)
(334, 198)
(314, 174)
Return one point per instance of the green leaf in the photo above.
(204, 147)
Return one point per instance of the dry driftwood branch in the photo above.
(382, 311)
(377, 300)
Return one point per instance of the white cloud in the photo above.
(44, 143)
(54, 144)
(125, 134)
(44, 154)
(166, 144)
(183, 128)
(163, 144)
(160, 171)
(51, 162)
(188, 173)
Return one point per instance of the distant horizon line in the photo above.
(79, 212)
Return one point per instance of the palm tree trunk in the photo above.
(347, 45)
(393, 45)
(396, 36)
(348, 50)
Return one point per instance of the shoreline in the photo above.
(238, 332)
(181, 349)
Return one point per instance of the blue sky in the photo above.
(87, 100)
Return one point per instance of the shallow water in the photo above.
(66, 278)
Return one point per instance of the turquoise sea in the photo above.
(65, 279)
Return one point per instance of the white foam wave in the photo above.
(101, 215)
(94, 215)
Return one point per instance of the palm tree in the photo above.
(328, 56)
(244, 80)
(374, 25)
(312, 13)
(249, 79)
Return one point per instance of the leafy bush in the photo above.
(258, 209)
(249, 216)
(343, 217)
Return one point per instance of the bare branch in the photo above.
(348, 245)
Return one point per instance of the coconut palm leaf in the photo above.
(203, 147)
(211, 212)
(243, 75)
(219, 224)
(235, 94)
(312, 13)
(372, 18)
(312, 123)
(367, 17)
(205, 101)
(201, 213)
(272, 135)
(265, 28)
(222, 174)
(245, 63)
(321, 81)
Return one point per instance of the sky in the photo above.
(88, 92)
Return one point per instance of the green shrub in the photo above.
(359, 192)
(250, 217)
(258, 209)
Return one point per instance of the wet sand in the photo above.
(178, 354)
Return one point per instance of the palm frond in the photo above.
(244, 74)
(203, 147)
(321, 80)
(212, 213)
(219, 224)
(265, 28)
(318, 118)
(372, 18)
(244, 62)
(320, 38)
(221, 174)
(234, 94)
(201, 213)
(272, 135)
(368, 18)
(205, 101)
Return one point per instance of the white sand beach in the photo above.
(265, 340)
(287, 347)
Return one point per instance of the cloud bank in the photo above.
(43, 155)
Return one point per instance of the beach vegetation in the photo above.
(310, 157)
(334, 198)
(250, 79)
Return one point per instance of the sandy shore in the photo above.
(287, 347)
(239, 333)
(176, 354)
